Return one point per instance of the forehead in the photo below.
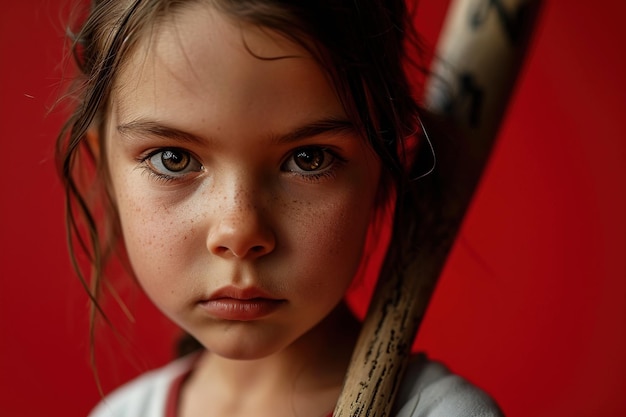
(198, 60)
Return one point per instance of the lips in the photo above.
(240, 304)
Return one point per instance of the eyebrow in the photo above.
(142, 127)
(316, 128)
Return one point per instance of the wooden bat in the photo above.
(479, 56)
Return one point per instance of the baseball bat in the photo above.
(477, 61)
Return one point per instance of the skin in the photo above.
(242, 212)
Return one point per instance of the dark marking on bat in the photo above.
(513, 21)
(468, 100)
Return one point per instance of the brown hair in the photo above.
(363, 45)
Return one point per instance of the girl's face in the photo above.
(244, 192)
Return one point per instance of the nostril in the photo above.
(257, 249)
(221, 250)
(226, 251)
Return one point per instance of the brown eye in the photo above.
(173, 163)
(309, 160)
(174, 160)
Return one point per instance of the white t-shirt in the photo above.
(428, 390)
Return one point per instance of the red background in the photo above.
(532, 305)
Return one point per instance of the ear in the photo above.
(92, 140)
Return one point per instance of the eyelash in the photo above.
(330, 171)
(312, 176)
(150, 169)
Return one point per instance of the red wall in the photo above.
(532, 305)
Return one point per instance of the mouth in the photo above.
(236, 304)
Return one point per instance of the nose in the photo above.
(240, 230)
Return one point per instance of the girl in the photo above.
(243, 152)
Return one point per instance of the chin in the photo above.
(241, 346)
(243, 353)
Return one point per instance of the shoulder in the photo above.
(429, 389)
(144, 396)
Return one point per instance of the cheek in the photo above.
(150, 230)
(329, 241)
(157, 242)
(152, 234)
